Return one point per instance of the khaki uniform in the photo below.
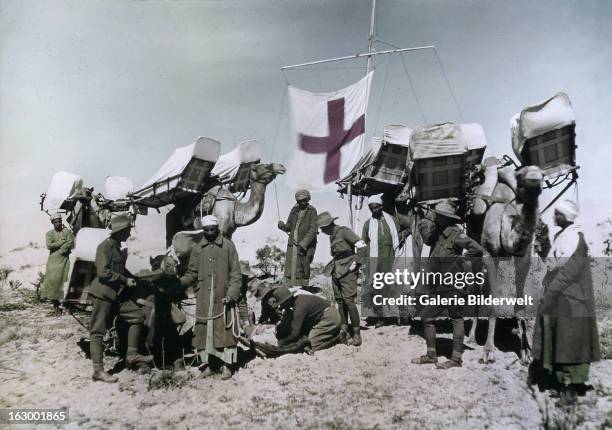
(110, 297)
(344, 281)
(446, 257)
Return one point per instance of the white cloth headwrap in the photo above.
(376, 199)
(209, 220)
(373, 234)
(568, 209)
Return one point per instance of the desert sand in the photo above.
(372, 386)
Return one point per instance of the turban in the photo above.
(302, 195)
(54, 216)
(209, 220)
(568, 209)
(375, 200)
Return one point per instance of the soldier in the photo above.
(381, 234)
(302, 229)
(108, 292)
(60, 242)
(312, 316)
(344, 270)
(214, 271)
(445, 257)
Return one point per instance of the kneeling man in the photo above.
(312, 316)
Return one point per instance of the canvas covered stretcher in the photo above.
(544, 135)
(184, 173)
(382, 167)
(439, 157)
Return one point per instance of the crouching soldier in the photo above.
(344, 270)
(311, 316)
(448, 245)
(109, 295)
(214, 271)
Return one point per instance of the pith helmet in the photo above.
(282, 294)
(447, 210)
(325, 219)
(120, 222)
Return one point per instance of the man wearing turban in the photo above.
(302, 229)
(60, 242)
(381, 234)
(565, 339)
(214, 272)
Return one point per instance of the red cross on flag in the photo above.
(329, 131)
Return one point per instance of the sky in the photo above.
(103, 88)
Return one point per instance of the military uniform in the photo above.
(344, 281)
(302, 228)
(214, 270)
(445, 257)
(315, 318)
(110, 297)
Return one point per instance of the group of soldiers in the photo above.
(221, 281)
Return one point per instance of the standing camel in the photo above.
(504, 225)
(219, 201)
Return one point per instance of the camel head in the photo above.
(266, 173)
(529, 181)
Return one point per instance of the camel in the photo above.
(504, 225)
(219, 201)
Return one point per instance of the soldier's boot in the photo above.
(100, 375)
(226, 372)
(96, 351)
(344, 337)
(458, 336)
(356, 336)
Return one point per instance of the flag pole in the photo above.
(366, 54)
(355, 224)
(371, 38)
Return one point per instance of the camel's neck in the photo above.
(248, 212)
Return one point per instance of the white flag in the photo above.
(329, 134)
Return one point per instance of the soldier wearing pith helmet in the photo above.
(448, 241)
(348, 253)
(110, 292)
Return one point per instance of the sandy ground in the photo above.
(372, 386)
